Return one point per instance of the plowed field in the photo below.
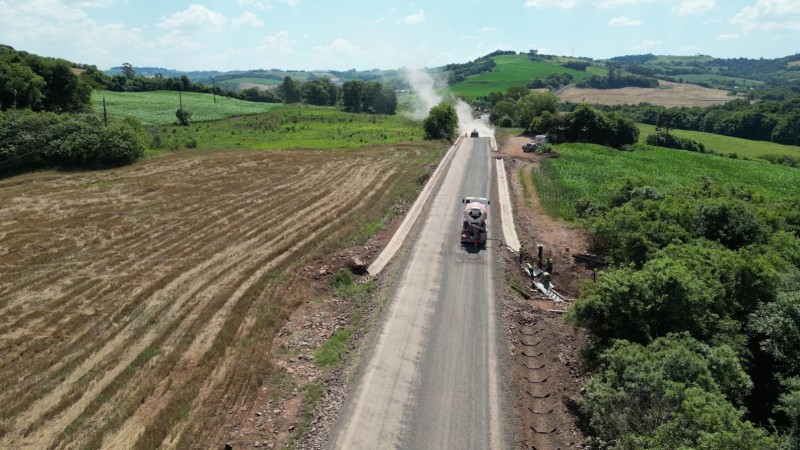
(138, 305)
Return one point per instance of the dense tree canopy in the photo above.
(441, 122)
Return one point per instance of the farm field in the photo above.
(514, 70)
(719, 81)
(587, 171)
(292, 126)
(158, 108)
(141, 303)
(727, 144)
(667, 94)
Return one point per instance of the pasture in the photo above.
(726, 145)
(588, 171)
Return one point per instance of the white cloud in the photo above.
(257, 4)
(40, 27)
(289, 2)
(416, 18)
(336, 48)
(688, 7)
(245, 19)
(729, 37)
(94, 4)
(487, 30)
(646, 44)
(195, 17)
(279, 42)
(608, 4)
(769, 15)
(689, 50)
(623, 21)
(563, 4)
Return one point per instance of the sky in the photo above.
(226, 35)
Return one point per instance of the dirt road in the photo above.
(431, 381)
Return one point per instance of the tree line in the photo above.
(765, 120)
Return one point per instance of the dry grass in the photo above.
(667, 94)
(138, 298)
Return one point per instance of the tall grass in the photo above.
(290, 127)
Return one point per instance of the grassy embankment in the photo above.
(727, 145)
(595, 172)
(516, 70)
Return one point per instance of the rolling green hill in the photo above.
(517, 70)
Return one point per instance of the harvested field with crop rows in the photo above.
(139, 305)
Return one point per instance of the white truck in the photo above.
(474, 228)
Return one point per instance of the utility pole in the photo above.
(105, 113)
(214, 88)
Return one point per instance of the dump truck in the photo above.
(474, 227)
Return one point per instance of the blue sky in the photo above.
(366, 34)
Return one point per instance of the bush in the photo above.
(664, 139)
(40, 140)
(183, 117)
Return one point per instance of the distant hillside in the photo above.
(267, 78)
(523, 70)
(732, 73)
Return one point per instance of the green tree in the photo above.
(441, 122)
(674, 393)
(353, 93)
(20, 87)
(128, 72)
(777, 326)
(289, 90)
(533, 105)
(787, 130)
(316, 93)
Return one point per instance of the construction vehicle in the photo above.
(474, 133)
(474, 228)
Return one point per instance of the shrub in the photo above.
(664, 139)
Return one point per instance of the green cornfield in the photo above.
(158, 107)
(593, 172)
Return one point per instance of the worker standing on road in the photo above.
(550, 264)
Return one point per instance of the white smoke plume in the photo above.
(425, 97)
